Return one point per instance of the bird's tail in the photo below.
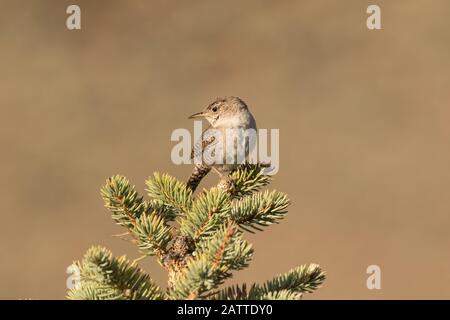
(197, 175)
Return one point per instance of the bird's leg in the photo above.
(221, 175)
(120, 235)
(139, 259)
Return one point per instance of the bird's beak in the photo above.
(197, 115)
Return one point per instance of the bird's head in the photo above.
(222, 110)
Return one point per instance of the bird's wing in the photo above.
(208, 139)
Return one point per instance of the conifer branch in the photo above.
(209, 211)
(152, 235)
(106, 277)
(215, 258)
(288, 286)
(198, 240)
(281, 295)
(123, 201)
(89, 291)
(248, 178)
(162, 209)
(259, 209)
(170, 191)
(303, 279)
(146, 221)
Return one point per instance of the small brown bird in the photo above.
(223, 114)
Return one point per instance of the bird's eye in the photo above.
(214, 109)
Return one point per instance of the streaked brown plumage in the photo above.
(222, 114)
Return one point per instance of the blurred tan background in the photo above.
(363, 118)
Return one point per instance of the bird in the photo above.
(224, 114)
